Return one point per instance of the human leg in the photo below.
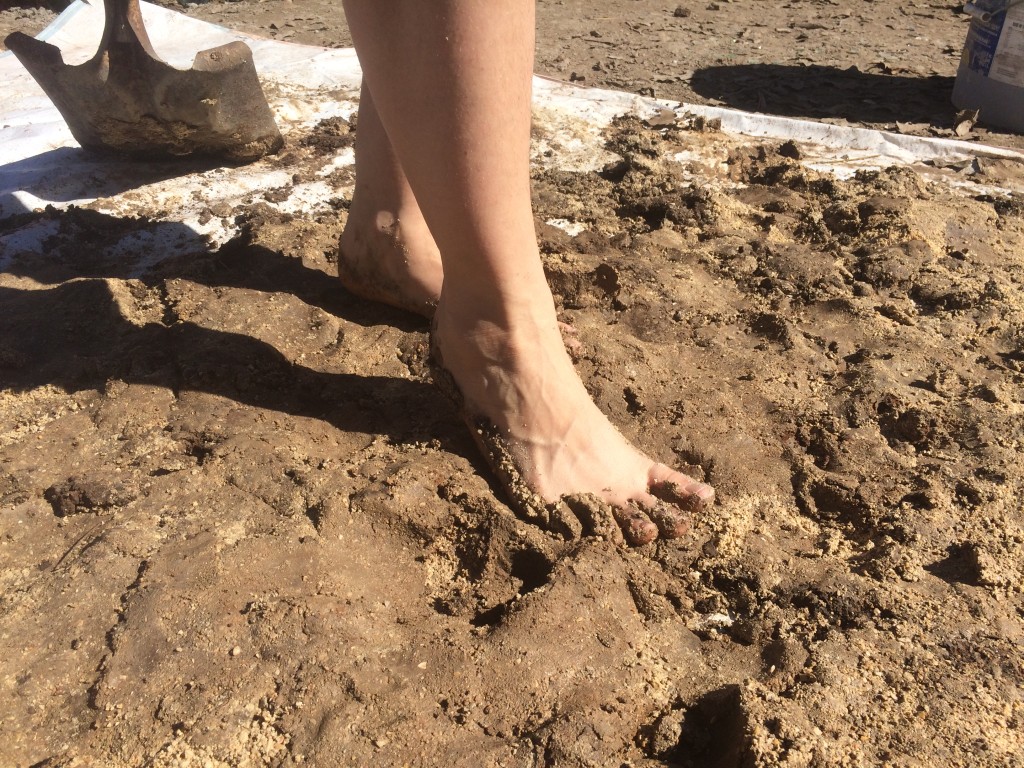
(451, 80)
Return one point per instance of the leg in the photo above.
(456, 107)
(386, 252)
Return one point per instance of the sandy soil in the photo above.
(239, 527)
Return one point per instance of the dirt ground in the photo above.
(239, 527)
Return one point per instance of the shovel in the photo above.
(126, 100)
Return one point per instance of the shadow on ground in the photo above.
(819, 92)
(69, 330)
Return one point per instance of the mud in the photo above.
(240, 527)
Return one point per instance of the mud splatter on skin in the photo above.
(296, 550)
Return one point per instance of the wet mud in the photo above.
(241, 527)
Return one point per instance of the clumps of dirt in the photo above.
(1007, 207)
(272, 523)
(304, 156)
(891, 323)
(310, 240)
(90, 493)
(330, 135)
(66, 230)
(650, 193)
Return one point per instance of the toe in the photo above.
(636, 526)
(672, 521)
(596, 517)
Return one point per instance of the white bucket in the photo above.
(991, 74)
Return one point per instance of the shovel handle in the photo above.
(123, 26)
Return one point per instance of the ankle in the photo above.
(487, 319)
(507, 303)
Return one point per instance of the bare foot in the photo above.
(541, 432)
(386, 252)
(505, 359)
(383, 256)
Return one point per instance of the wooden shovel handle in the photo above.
(123, 26)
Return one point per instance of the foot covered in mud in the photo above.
(562, 463)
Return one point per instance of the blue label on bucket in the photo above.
(983, 36)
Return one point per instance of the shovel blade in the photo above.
(127, 101)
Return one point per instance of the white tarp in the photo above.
(40, 163)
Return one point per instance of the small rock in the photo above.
(964, 121)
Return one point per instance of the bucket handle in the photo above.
(975, 12)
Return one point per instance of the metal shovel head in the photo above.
(127, 100)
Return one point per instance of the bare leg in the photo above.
(386, 252)
(451, 80)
